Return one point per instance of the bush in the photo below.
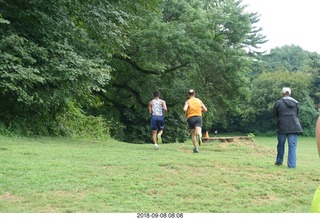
(308, 116)
(74, 123)
(5, 131)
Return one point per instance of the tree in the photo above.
(291, 58)
(54, 53)
(266, 90)
(190, 44)
(314, 70)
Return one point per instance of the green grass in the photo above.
(65, 175)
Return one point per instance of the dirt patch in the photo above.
(108, 167)
(265, 198)
(169, 168)
(9, 197)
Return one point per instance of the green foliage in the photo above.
(4, 131)
(3, 21)
(252, 136)
(285, 66)
(17, 72)
(314, 69)
(291, 58)
(308, 116)
(52, 53)
(109, 56)
(116, 130)
(175, 128)
(266, 89)
(190, 44)
(74, 123)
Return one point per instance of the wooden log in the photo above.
(228, 139)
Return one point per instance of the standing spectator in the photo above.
(193, 109)
(286, 111)
(157, 109)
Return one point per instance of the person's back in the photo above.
(288, 127)
(195, 108)
(157, 109)
(286, 111)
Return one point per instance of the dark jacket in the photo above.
(286, 111)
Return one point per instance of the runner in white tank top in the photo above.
(157, 109)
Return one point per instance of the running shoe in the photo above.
(156, 147)
(195, 150)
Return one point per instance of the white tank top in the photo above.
(157, 109)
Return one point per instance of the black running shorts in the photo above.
(195, 121)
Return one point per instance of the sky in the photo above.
(287, 22)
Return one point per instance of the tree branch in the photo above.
(135, 66)
(148, 72)
(132, 91)
(177, 67)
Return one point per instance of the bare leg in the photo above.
(199, 131)
(154, 136)
(193, 137)
(159, 139)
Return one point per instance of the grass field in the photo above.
(64, 175)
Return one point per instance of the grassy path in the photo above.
(65, 175)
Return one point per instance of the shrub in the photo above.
(74, 123)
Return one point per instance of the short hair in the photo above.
(156, 93)
(191, 92)
(286, 90)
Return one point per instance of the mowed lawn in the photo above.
(66, 175)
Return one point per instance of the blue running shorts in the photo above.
(157, 122)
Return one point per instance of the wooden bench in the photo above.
(227, 139)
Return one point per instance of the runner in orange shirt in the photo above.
(193, 109)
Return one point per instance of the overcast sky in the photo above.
(287, 22)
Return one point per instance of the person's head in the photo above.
(156, 94)
(286, 91)
(191, 93)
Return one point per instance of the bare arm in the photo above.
(185, 108)
(164, 106)
(150, 108)
(204, 108)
